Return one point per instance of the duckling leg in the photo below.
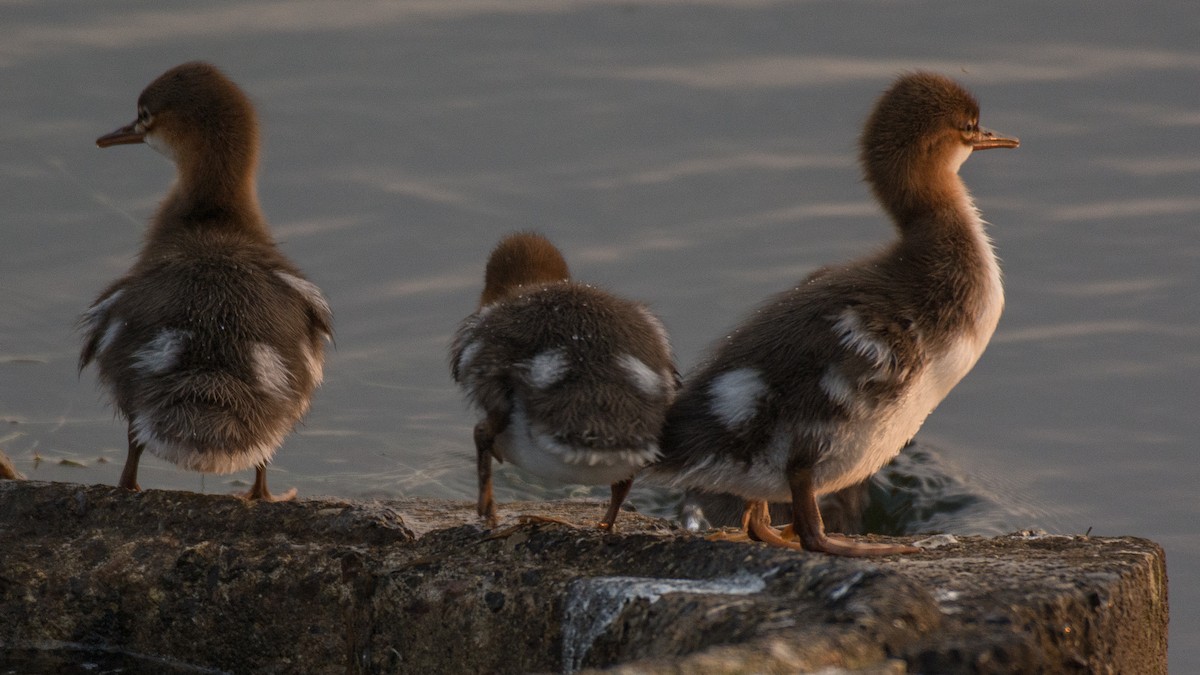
(129, 473)
(757, 524)
(751, 518)
(809, 528)
(260, 491)
(485, 449)
(620, 490)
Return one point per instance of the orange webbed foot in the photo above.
(835, 544)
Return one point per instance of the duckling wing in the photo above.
(785, 386)
(97, 324)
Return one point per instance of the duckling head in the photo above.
(197, 117)
(520, 260)
(920, 132)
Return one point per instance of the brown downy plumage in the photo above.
(7, 470)
(827, 381)
(572, 381)
(213, 343)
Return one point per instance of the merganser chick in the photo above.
(827, 381)
(213, 343)
(573, 382)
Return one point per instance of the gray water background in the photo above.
(695, 155)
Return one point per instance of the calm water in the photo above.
(698, 156)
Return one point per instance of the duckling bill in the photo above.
(827, 381)
(572, 382)
(212, 344)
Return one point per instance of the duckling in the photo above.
(573, 382)
(827, 381)
(212, 344)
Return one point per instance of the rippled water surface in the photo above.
(695, 155)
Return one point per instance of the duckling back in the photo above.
(212, 348)
(583, 376)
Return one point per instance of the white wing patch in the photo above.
(855, 337)
(642, 375)
(465, 358)
(735, 396)
(270, 371)
(161, 354)
(96, 313)
(548, 368)
(838, 388)
(111, 331)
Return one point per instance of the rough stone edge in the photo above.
(771, 653)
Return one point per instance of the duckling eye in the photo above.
(971, 126)
(144, 119)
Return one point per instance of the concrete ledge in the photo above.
(328, 586)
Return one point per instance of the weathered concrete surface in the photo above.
(327, 586)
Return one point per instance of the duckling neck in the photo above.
(926, 193)
(220, 193)
(943, 236)
(937, 216)
(948, 235)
